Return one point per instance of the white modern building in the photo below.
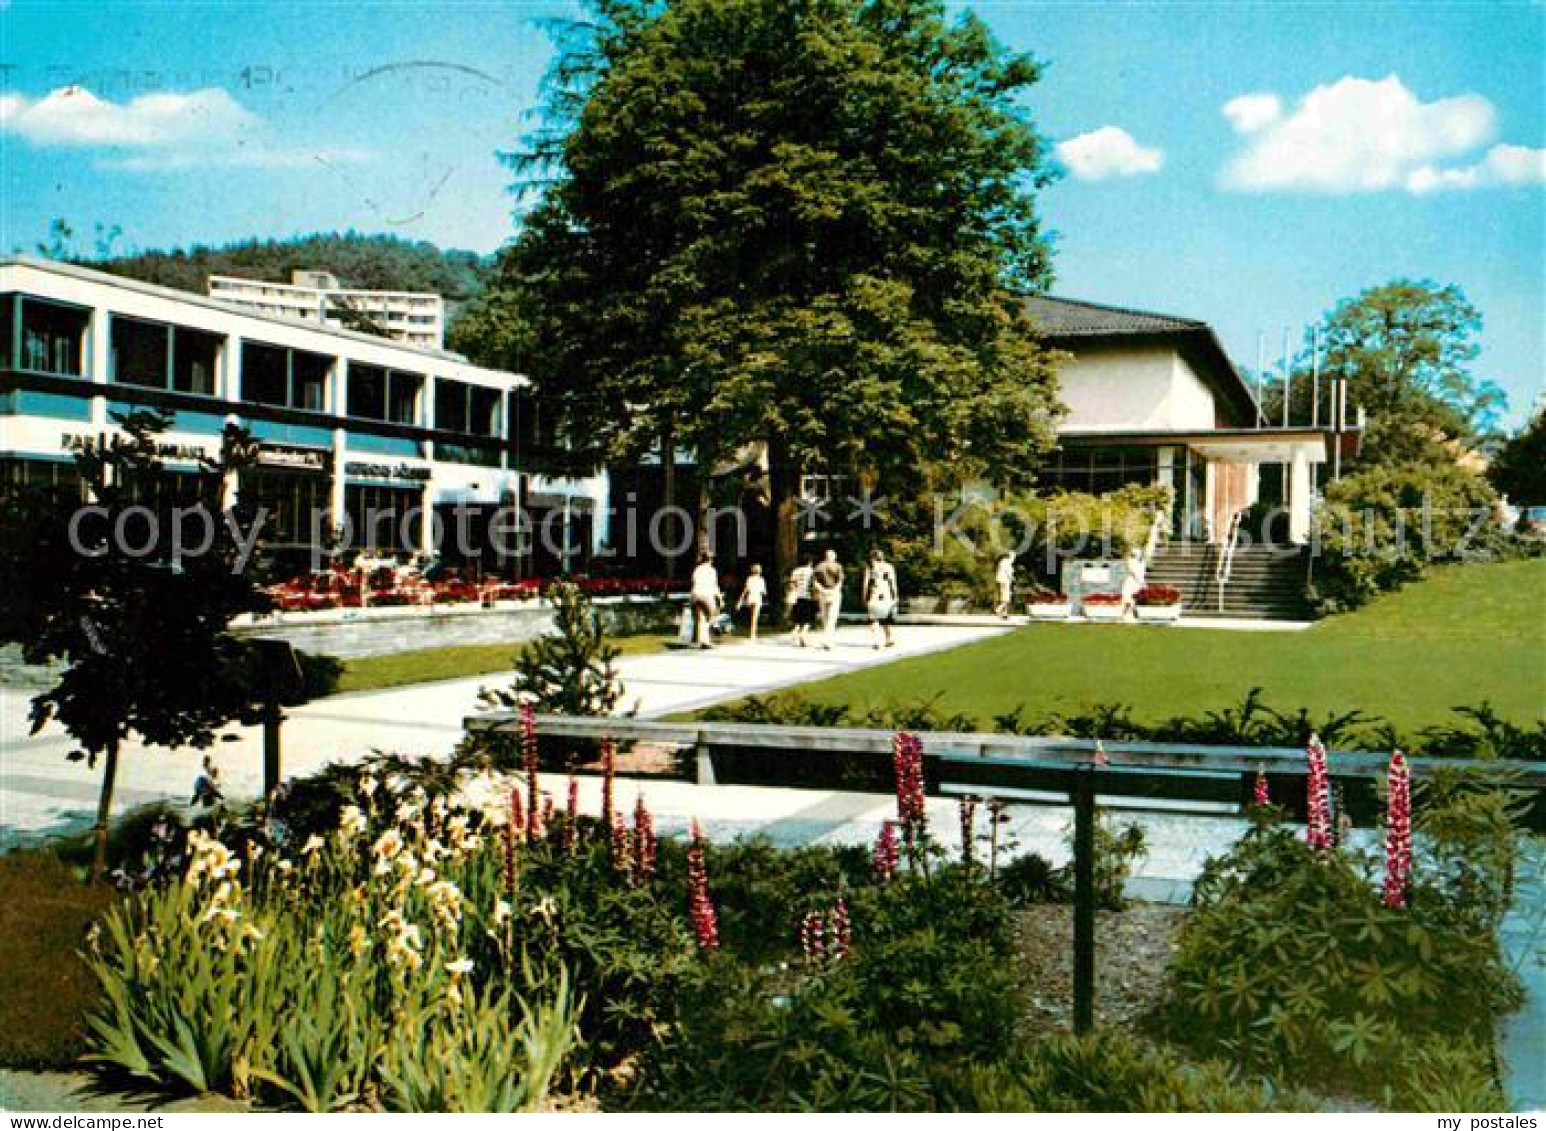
(1154, 398)
(397, 438)
(317, 296)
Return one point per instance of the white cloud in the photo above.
(200, 129)
(1353, 135)
(73, 116)
(1508, 165)
(1250, 112)
(1108, 152)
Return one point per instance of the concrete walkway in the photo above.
(41, 793)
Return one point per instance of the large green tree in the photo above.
(1405, 351)
(1519, 468)
(794, 222)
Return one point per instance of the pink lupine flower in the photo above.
(841, 930)
(529, 765)
(1318, 799)
(886, 855)
(705, 922)
(907, 766)
(511, 831)
(571, 814)
(825, 936)
(967, 807)
(643, 841)
(1259, 796)
(813, 942)
(608, 774)
(1398, 831)
(622, 847)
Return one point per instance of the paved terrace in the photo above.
(41, 793)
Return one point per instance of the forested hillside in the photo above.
(374, 262)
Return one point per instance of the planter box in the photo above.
(1159, 614)
(1050, 610)
(1103, 612)
(956, 606)
(922, 604)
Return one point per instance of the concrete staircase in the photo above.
(1264, 583)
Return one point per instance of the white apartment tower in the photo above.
(317, 296)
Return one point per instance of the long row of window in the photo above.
(47, 337)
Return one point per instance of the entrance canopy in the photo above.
(1215, 472)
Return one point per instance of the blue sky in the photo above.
(1244, 163)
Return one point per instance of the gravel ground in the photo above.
(1132, 951)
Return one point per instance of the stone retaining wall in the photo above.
(381, 632)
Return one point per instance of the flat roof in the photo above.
(192, 298)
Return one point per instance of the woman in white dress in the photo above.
(880, 598)
(753, 594)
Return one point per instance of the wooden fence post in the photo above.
(1084, 900)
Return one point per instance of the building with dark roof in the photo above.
(1154, 398)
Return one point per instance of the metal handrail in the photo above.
(1226, 562)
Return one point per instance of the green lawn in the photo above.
(1463, 635)
(371, 673)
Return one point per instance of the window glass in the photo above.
(139, 352)
(451, 405)
(265, 374)
(483, 411)
(51, 337)
(308, 380)
(403, 397)
(367, 391)
(195, 356)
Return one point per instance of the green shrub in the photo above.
(1114, 1072)
(1291, 964)
(1477, 732)
(1043, 529)
(927, 991)
(1381, 527)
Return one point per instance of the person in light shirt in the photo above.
(1004, 579)
(753, 594)
(706, 598)
(827, 583)
(880, 598)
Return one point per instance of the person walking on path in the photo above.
(706, 600)
(827, 580)
(879, 592)
(799, 605)
(753, 594)
(1004, 579)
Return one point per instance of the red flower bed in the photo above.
(1102, 599)
(1158, 595)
